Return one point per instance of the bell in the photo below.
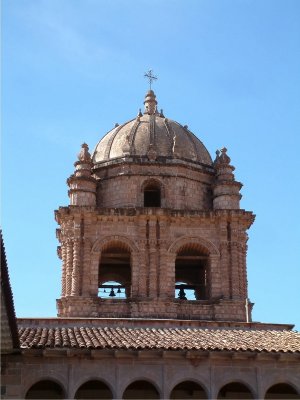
(181, 294)
(104, 291)
(112, 293)
(119, 290)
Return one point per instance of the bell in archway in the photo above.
(181, 294)
(112, 293)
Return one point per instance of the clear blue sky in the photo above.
(229, 69)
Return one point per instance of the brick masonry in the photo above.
(199, 218)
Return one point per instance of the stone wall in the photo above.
(153, 237)
(182, 188)
(164, 369)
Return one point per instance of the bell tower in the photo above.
(154, 227)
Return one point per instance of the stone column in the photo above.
(214, 276)
(76, 268)
(86, 266)
(166, 282)
(235, 271)
(94, 274)
(69, 267)
(152, 259)
(168, 279)
(134, 274)
(225, 269)
(242, 286)
(141, 260)
(64, 267)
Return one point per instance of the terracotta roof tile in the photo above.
(164, 338)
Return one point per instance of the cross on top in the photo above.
(150, 76)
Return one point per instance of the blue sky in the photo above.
(228, 69)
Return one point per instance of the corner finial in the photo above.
(222, 157)
(149, 75)
(84, 155)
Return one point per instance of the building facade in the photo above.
(154, 299)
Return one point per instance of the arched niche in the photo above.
(197, 248)
(115, 271)
(141, 390)
(204, 244)
(152, 193)
(188, 390)
(45, 389)
(120, 244)
(94, 389)
(282, 391)
(192, 272)
(235, 390)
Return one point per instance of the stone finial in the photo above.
(150, 103)
(222, 157)
(82, 184)
(226, 188)
(84, 155)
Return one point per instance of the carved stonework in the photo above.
(155, 237)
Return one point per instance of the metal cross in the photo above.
(150, 76)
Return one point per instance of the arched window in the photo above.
(141, 390)
(93, 390)
(235, 390)
(188, 390)
(45, 389)
(191, 273)
(115, 272)
(282, 391)
(152, 195)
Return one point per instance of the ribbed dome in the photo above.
(153, 136)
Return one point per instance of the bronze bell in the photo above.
(181, 294)
(112, 293)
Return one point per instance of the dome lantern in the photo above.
(150, 103)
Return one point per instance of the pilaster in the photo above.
(76, 268)
(69, 266)
(214, 277)
(63, 268)
(153, 267)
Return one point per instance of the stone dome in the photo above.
(152, 136)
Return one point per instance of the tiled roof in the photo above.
(155, 338)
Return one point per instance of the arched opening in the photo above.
(141, 390)
(115, 272)
(45, 389)
(152, 195)
(235, 390)
(191, 273)
(282, 391)
(93, 390)
(188, 390)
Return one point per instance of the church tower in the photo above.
(154, 227)
(154, 301)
